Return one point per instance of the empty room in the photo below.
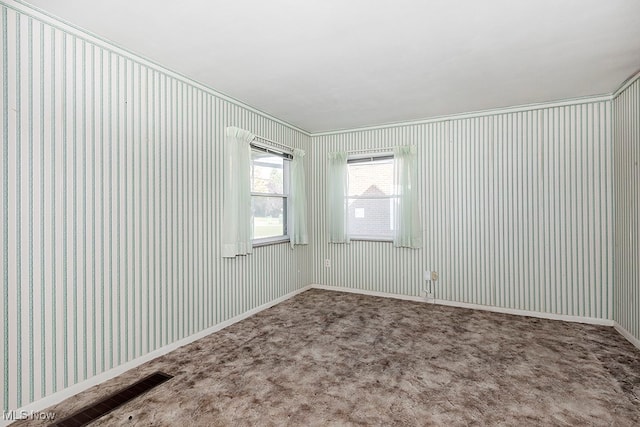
(312, 212)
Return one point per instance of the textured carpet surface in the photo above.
(332, 358)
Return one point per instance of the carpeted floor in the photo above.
(332, 358)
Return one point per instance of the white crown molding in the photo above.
(25, 8)
(481, 113)
(35, 12)
(625, 84)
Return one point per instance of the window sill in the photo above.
(271, 241)
(371, 239)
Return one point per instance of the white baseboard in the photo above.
(42, 404)
(539, 314)
(622, 331)
(552, 316)
(529, 313)
(47, 401)
(365, 292)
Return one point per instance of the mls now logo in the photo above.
(28, 415)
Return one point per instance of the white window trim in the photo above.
(371, 239)
(369, 158)
(266, 241)
(274, 240)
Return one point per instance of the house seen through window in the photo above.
(371, 198)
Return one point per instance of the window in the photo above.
(371, 198)
(269, 192)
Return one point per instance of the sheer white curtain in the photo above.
(337, 187)
(407, 227)
(298, 223)
(237, 232)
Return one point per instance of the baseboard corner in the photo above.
(628, 335)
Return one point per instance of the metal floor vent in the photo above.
(102, 407)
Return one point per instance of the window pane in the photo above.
(371, 178)
(371, 217)
(266, 173)
(268, 216)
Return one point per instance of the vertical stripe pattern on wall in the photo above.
(516, 210)
(111, 188)
(5, 210)
(626, 146)
(111, 192)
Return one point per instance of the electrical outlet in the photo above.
(427, 275)
(327, 263)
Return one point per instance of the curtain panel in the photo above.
(237, 231)
(298, 212)
(337, 187)
(407, 227)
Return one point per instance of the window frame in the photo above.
(286, 185)
(369, 158)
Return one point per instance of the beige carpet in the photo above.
(331, 358)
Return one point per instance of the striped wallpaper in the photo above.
(111, 185)
(517, 211)
(626, 148)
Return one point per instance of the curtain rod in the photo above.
(372, 150)
(276, 144)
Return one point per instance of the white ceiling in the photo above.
(336, 64)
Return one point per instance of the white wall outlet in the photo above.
(427, 275)
(327, 263)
